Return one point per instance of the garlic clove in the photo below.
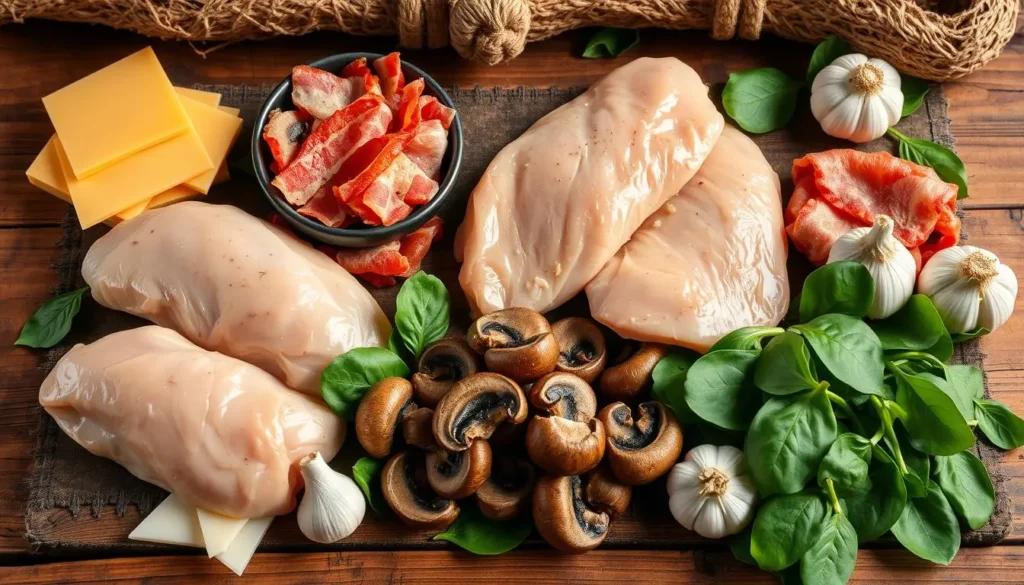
(735, 512)
(731, 461)
(850, 61)
(711, 522)
(997, 300)
(685, 508)
(958, 306)
(891, 77)
(684, 476)
(333, 505)
(703, 456)
(842, 121)
(872, 122)
(832, 75)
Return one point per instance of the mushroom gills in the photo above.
(632, 435)
(416, 482)
(589, 520)
(512, 336)
(486, 410)
(563, 397)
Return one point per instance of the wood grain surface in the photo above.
(987, 110)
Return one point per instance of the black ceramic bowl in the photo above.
(361, 236)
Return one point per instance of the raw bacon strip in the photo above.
(428, 146)
(284, 134)
(353, 192)
(416, 245)
(321, 93)
(383, 260)
(356, 68)
(323, 153)
(325, 208)
(432, 109)
(407, 115)
(389, 68)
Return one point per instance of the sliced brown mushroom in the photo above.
(581, 347)
(515, 342)
(606, 493)
(507, 492)
(630, 375)
(563, 517)
(417, 428)
(441, 365)
(564, 395)
(380, 413)
(474, 407)
(457, 474)
(403, 483)
(562, 446)
(643, 449)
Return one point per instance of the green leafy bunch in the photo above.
(851, 428)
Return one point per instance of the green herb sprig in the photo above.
(52, 322)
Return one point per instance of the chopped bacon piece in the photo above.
(841, 189)
(432, 109)
(356, 68)
(323, 153)
(407, 116)
(427, 147)
(416, 245)
(378, 280)
(321, 93)
(284, 134)
(389, 68)
(382, 260)
(325, 208)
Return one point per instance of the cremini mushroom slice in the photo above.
(507, 492)
(380, 413)
(563, 517)
(417, 428)
(441, 365)
(606, 493)
(562, 446)
(644, 448)
(564, 395)
(631, 374)
(457, 474)
(474, 407)
(581, 347)
(515, 342)
(403, 482)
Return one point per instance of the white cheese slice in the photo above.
(218, 530)
(238, 555)
(172, 522)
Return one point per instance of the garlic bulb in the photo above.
(970, 288)
(710, 491)
(890, 263)
(857, 98)
(332, 507)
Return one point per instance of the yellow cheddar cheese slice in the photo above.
(217, 130)
(230, 110)
(209, 98)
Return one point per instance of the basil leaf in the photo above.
(946, 163)
(785, 366)
(848, 349)
(914, 90)
(422, 312)
(846, 464)
(785, 528)
(968, 380)
(932, 419)
(396, 347)
(51, 322)
(824, 54)
(746, 338)
(366, 473)
(929, 528)
(873, 513)
(958, 337)
(351, 374)
(719, 388)
(961, 398)
(611, 42)
(967, 486)
(840, 287)
(831, 560)
(739, 545)
(669, 378)
(917, 326)
(1000, 425)
(474, 532)
(760, 100)
(787, 440)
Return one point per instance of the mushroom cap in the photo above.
(506, 493)
(417, 428)
(644, 448)
(515, 342)
(441, 365)
(561, 446)
(379, 414)
(474, 407)
(564, 395)
(581, 347)
(457, 474)
(606, 493)
(404, 486)
(631, 373)
(563, 517)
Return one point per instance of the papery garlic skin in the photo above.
(970, 288)
(332, 507)
(857, 98)
(890, 263)
(710, 491)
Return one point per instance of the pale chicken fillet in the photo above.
(221, 434)
(557, 203)
(711, 260)
(233, 283)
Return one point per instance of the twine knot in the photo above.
(423, 23)
(489, 31)
(748, 14)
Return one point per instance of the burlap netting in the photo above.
(933, 39)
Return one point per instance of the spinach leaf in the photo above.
(832, 558)
(967, 380)
(919, 465)
(915, 327)
(396, 347)
(914, 90)
(967, 486)
(824, 54)
(739, 546)
(932, 419)
(873, 513)
(929, 528)
(669, 378)
(474, 532)
(787, 440)
(785, 366)
(746, 338)
(946, 163)
(719, 388)
(351, 374)
(51, 322)
(848, 348)
(960, 395)
(611, 42)
(760, 100)
(840, 287)
(421, 312)
(366, 473)
(1000, 425)
(846, 464)
(785, 528)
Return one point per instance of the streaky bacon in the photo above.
(321, 93)
(324, 207)
(357, 69)
(432, 109)
(392, 80)
(416, 245)
(427, 147)
(284, 134)
(382, 260)
(378, 280)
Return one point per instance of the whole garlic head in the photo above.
(969, 287)
(710, 491)
(891, 265)
(857, 98)
(332, 507)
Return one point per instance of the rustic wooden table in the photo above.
(987, 109)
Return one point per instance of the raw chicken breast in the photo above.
(219, 433)
(557, 203)
(711, 260)
(235, 284)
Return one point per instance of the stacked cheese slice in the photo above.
(127, 140)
